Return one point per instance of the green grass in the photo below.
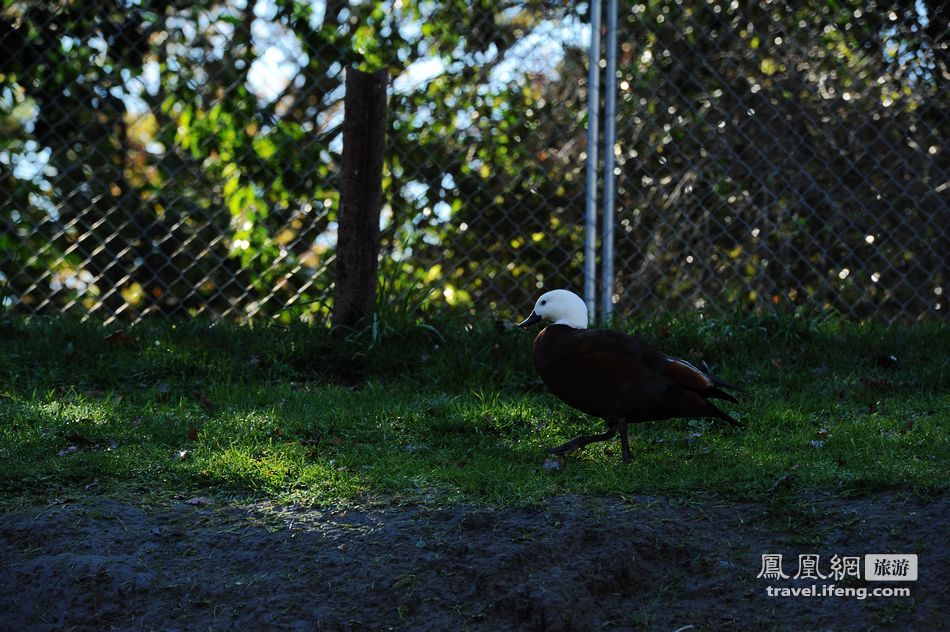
(453, 410)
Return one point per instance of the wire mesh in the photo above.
(160, 157)
(783, 155)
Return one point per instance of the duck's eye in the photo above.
(544, 302)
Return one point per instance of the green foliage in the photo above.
(454, 411)
(182, 158)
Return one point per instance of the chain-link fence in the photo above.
(173, 158)
(778, 154)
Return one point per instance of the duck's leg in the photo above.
(624, 441)
(580, 442)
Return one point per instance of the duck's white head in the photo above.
(561, 307)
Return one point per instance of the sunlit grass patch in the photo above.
(455, 412)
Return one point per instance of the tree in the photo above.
(183, 158)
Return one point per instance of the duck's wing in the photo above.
(617, 353)
(685, 374)
(635, 357)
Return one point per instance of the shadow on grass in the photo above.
(454, 411)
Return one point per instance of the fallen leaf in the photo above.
(181, 455)
(199, 501)
(192, 433)
(554, 464)
(885, 360)
(68, 450)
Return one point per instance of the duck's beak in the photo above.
(530, 320)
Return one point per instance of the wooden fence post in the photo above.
(361, 193)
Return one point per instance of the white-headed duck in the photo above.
(614, 376)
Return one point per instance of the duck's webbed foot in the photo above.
(581, 441)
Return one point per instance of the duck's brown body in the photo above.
(623, 380)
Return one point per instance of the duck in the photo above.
(614, 376)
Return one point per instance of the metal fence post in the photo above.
(210, 190)
(593, 121)
(610, 139)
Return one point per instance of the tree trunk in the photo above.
(361, 192)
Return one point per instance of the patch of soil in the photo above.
(571, 563)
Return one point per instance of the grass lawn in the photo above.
(453, 411)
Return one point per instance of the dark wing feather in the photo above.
(606, 343)
(681, 372)
(686, 375)
(597, 371)
(619, 344)
(610, 374)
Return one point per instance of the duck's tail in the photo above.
(715, 392)
(721, 414)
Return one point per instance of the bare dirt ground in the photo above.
(571, 563)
